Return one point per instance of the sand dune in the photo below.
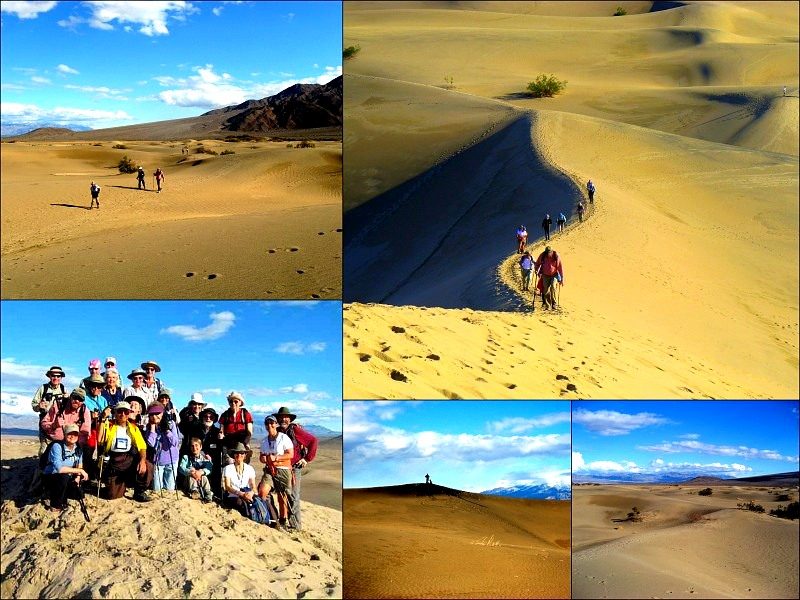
(685, 546)
(666, 293)
(168, 548)
(411, 542)
(264, 222)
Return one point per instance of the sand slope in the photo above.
(264, 222)
(687, 546)
(684, 278)
(167, 548)
(399, 544)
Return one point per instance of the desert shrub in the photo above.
(705, 492)
(126, 165)
(351, 51)
(635, 515)
(290, 145)
(620, 12)
(203, 150)
(97, 144)
(224, 152)
(119, 147)
(750, 505)
(792, 511)
(546, 86)
(782, 498)
(305, 144)
(448, 80)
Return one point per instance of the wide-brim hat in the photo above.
(236, 396)
(55, 370)
(136, 372)
(138, 400)
(96, 379)
(122, 405)
(284, 412)
(155, 409)
(151, 363)
(110, 359)
(197, 398)
(238, 449)
(210, 411)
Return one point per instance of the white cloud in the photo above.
(299, 348)
(610, 422)
(521, 425)
(217, 10)
(690, 436)
(26, 10)
(207, 89)
(62, 68)
(12, 86)
(212, 391)
(13, 112)
(150, 17)
(704, 448)
(101, 91)
(577, 461)
(221, 322)
(300, 388)
(41, 80)
(20, 380)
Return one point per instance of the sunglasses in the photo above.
(56, 376)
(123, 410)
(94, 368)
(149, 369)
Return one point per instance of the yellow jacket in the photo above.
(110, 433)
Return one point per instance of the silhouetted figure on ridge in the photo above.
(427, 479)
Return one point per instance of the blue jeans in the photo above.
(164, 476)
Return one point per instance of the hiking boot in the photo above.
(194, 495)
(141, 497)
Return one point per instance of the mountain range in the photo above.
(540, 491)
(12, 129)
(299, 111)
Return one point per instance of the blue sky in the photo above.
(723, 439)
(103, 64)
(472, 446)
(275, 353)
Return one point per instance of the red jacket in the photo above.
(550, 265)
(301, 437)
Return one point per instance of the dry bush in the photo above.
(126, 165)
(705, 492)
(119, 147)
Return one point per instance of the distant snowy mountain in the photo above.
(666, 477)
(7, 129)
(541, 492)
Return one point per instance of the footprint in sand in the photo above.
(189, 274)
(433, 356)
(397, 329)
(299, 271)
(398, 376)
(363, 357)
(211, 276)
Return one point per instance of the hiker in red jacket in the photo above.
(305, 449)
(549, 267)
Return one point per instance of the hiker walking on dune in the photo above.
(547, 222)
(140, 179)
(159, 177)
(581, 210)
(784, 91)
(305, 449)
(561, 221)
(94, 189)
(548, 265)
(590, 189)
(522, 239)
(526, 264)
(428, 477)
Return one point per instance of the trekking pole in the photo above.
(558, 295)
(100, 477)
(155, 462)
(174, 475)
(81, 501)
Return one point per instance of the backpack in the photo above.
(81, 412)
(48, 396)
(261, 511)
(95, 189)
(46, 454)
(300, 448)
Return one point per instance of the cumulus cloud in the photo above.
(101, 91)
(690, 436)
(40, 80)
(19, 381)
(610, 422)
(299, 388)
(300, 348)
(67, 70)
(26, 10)
(13, 112)
(704, 448)
(208, 89)
(150, 17)
(221, 323)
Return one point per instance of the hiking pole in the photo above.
(558, 295)
(174, 475)
(81, 501)
(100, 476)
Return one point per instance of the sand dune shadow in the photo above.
(70, 205)
(130, 187)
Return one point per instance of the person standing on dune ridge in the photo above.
(590, 188)
(159, 177)
(549, 266)
(561, 221)
(140, 179)
(522, 239)
(526, 264)
(547, 222)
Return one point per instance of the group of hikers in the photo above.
(158, 176)
(102, 435)
(547, 267)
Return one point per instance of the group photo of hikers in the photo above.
(137, 440)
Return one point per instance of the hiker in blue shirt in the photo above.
(526, 264)
(64, 469)
(590, 189)
(561, 221)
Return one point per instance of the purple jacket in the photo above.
(168, 444)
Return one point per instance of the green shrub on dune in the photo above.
(126, 165)
(546, 86)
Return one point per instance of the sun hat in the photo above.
(96, 379)
(135, 372)
(284, 412)
(234, 395)
(79, 393)
(138, 400)
(123, 405)
(238, 449)
(110, 359)
(210, 411)
(71, 428)
(151, 363)
(155, 409)
(94, 363)
(197, 398)
(55, 370)
(165, 393)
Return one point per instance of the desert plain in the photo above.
(429, 541)
(686, 545)
(170, 547)
(681, 282)
(263, 221)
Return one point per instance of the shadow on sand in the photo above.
(129, 187)
(515, 96)
(16, 475)
(70, 205)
